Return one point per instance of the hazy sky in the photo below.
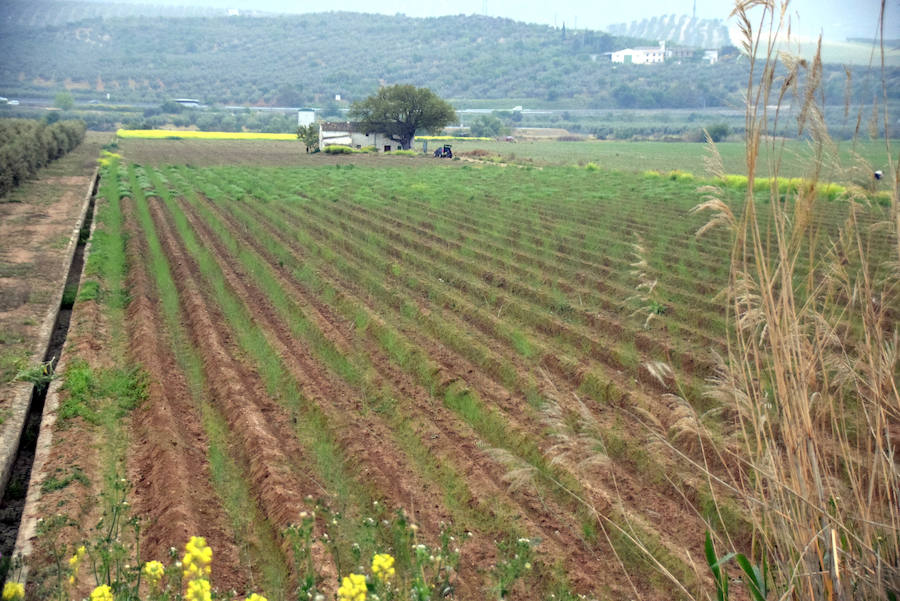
(837, 19)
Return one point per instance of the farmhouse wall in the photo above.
(352, 135)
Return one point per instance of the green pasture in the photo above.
(666, 156)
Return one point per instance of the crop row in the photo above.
(231, 291)
(308, 283)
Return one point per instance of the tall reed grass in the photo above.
(811, 370)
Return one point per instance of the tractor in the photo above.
(444, 152)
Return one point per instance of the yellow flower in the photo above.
(197, 558)
(13, 591)
(75, 562)
(153, 571)
(198, 590)
(76, 559)
(206, 135)
(353, 588)
(255, 597)
(383, 566)
(102, 593)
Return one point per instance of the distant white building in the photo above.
(711, 56)
(352, 134)
(306, 117)
(642, 55)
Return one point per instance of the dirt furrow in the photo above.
(168, 456)
(260, 429)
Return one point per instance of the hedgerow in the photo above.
(27, 145)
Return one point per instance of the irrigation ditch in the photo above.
(29, 426)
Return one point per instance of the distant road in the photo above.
(48, 102)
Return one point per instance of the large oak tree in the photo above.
(400, 110)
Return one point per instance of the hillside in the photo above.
(308, 59)
(53, 13)
(678, 29)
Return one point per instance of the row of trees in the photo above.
(27, 145)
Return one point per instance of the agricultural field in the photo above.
(794, 159)
(850, 162)
(493, 373)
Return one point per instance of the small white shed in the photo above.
(306, 117)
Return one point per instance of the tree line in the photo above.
(27, 145)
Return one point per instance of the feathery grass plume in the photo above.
(646, 295)
(579, 445)
(812, 358)
(520, 474)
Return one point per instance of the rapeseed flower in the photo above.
(102, 593)
(383, 566)
(197, 559)
(153, 571)
(255, 597)
(353, 588)
(198, 590)
(75, 562)
(13, 591)
(204, 135)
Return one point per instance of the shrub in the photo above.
(737, 182)
(338, 150)
(718, 131)
(680, 176)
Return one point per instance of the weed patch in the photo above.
(95, 393)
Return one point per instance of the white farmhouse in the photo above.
(642, 55)
(352, 134)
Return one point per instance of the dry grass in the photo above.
(812, 360)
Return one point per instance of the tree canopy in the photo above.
(488, 126)
(400, 110)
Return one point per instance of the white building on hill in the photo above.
(642, 55)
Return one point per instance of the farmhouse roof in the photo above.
(351, 126)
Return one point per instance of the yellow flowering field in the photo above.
(200, 135)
